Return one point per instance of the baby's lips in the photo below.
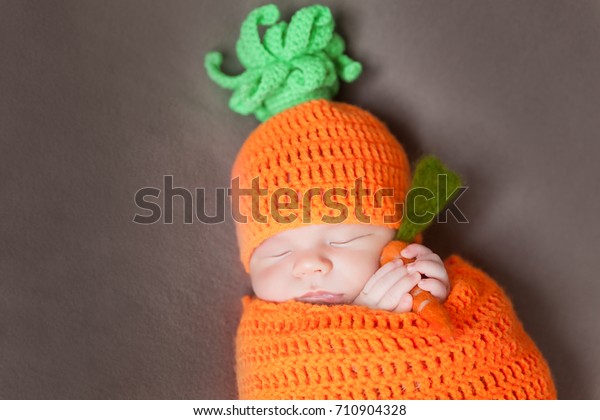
(321, 297)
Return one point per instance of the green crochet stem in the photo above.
(427, 196)
(292, 64)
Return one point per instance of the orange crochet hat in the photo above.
(312, 160)
(320, 150)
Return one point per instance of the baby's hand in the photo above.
(389, 287)
(430, 265)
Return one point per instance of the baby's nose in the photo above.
(310, 264)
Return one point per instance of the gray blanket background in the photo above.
(99, 99)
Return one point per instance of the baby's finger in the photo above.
(432, 269)
(415, 250)
(431, 257)
(383, 285)
(436, 287)
(391, 298)
(405, 304)
(381, 271)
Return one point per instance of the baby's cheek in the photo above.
(269, 284)
(358, 268)
(365, 262)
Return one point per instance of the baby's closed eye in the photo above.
(281, 254)
(349, 240)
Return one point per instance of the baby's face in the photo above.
(318, 263)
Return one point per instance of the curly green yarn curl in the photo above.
(293, 63)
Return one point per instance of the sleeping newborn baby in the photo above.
(334, 264)
(318, 190)
(326, 321)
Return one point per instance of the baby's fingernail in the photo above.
(410, 268)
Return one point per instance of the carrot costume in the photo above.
(337, 163)
(295, 350)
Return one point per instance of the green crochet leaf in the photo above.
(292, 64)
(432, 188)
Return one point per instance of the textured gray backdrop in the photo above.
(101, 98)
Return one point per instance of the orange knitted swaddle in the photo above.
(296, 350)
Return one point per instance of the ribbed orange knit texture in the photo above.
(296, 350)
(322, 145)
